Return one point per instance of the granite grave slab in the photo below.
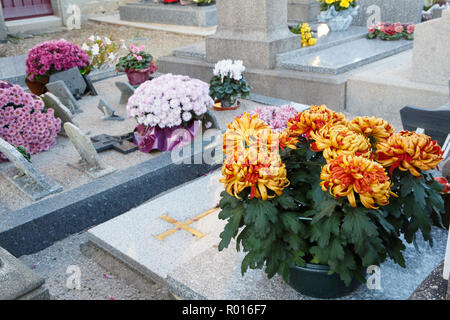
(90, 160)
(61, 111)
(60, 90)
(126, 90)
(160, 235)
(108, 111)
(24, 176)
(72, 79)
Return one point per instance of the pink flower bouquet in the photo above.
(164, 105)
(53, 56)
(391, 31)
(24, 121)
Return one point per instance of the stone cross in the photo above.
(61, 111)
(60, 90)
(24, 176)
(73, 80)
(126, 91)
(90, 160)
(254, 31)
(431, 63)
(108, 111)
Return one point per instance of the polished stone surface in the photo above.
(132, 236)
(303, 10)
(344, 57)
(217, 275)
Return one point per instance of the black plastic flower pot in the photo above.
(313, 281)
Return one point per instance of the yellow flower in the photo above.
(344, 3)
(313, 119)
(336, 140)
(371, 127)
(346, 175)
(409, 151)
(312, 41)
(258, 171)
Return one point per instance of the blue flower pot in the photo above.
(338, 20)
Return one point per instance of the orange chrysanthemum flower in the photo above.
(256, 170)
(336, 140)
(346, 175)
(313, 119)
(409, 151)
(372, 127)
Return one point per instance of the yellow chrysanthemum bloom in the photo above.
(372, 127)
(242, 132)
(313, 119)
(256, 170)
(346, 175)
(344, 3)
(409, 151)
(336, 140)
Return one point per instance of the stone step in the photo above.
(346, 56)
(40, 24)
(325, 41)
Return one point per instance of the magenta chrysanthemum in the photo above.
(24, 122)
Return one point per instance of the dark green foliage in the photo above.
(228, 90)
(24, 152)
(129, 62)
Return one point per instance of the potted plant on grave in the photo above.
(203, 2)
(391, 31)
(51, 57)
(326, 198)
(137, 64)
(338, 14)
(101, 51)
(169, 111)
(24, 121)
(228, 85)
(304, 30)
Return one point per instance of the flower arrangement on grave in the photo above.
(338, 14)
(304, 30)
(391, 31)
(326, 196)
(276, 117)
(24, 122)
(203, 2)
(51, 57)
(101, 51)
(169, 111)
(137, 64)
(228, 84)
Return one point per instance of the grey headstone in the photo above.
(126, 91)
(303, 10)
(90, 160)
(61, 111)
(73, 79)
(108, 111)
(90, 85)
(24, 176)
(17, 281)
(60, 90)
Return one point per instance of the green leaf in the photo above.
(232, 227)
(286, 201)
(290, 221)
(261, 213)
(357, 225)
(325, 209)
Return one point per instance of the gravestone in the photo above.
(108, 111)
(60, 90)
(126, 91)
(24, 176)
(303, 10)
(18, 282)
(372, 11)
(61, 111)
(123, 144)
(254, 31)
(90, 85)
(431, 63)
(73, 80)
(90, 160)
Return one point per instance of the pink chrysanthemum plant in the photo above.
(24, 122)
(54, 56)
(276, 117)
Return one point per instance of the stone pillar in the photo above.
(405, 11)
(3, 29)
(254, 31)
(431, 60)
(303, 10)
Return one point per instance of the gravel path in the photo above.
(96, 283)
(158, 43)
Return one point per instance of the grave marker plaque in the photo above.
(126, 91)
(60, 90)
(73, 80)
(108, 111)
(90, 160)
(24, 176)
(61, 111)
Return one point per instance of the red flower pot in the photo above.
(37, 87)
(136, 77)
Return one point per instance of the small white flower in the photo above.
(95, 49)
(112, 56)
(107, 41)
(187, 116)
(85, 47)
(92, 38)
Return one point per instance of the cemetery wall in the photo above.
(88, 7)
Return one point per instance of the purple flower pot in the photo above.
(136, 77)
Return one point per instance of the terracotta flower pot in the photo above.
(37, 86)
(136, 77)
(219, 106)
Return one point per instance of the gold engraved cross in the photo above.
(185, 225)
